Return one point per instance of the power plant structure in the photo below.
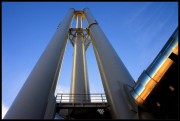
(123, 98)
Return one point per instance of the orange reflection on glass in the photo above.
(152, 83)
(175, 51)
(139, 100)
(162, 70)
(148, 88)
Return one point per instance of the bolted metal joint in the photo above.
(79, 12)
(83, 32)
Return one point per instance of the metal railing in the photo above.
(93, 98)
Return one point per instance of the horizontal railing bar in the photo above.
(79, 94)
(71, 98)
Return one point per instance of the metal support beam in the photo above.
(33, 98)
(79, 84)
(112, 70)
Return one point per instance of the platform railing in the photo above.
(94, 98)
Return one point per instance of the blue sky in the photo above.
(136, 30)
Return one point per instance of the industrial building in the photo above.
(153, 96)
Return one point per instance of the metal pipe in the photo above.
(31, 101)
(163, 54)
(153, 74)
(79, 84)
(112, 70)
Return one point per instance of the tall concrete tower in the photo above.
(36, 98)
